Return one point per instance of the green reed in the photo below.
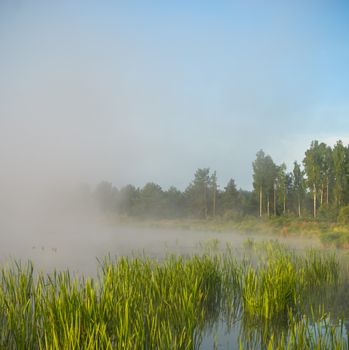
(144, 303)
(279, 279)
(135, 304)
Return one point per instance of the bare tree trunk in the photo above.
(214, 201)
(205, 199)
(322, 194)
(260, 201)
(314, 200)
(284, 203)
(274, 202)
(327, 187)
(268, 206)
(299, 207)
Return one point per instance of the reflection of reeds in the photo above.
(143, 303)
(310, 332)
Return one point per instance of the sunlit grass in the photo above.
(144, 303)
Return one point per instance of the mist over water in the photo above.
(108, 109)
(45, 217)
(57, 228)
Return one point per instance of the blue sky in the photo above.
(138, 91)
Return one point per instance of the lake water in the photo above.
(76, 246)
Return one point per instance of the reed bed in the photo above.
(280, 279)
(144, 303)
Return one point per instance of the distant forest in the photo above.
(318, 188)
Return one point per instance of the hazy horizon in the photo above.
(130, 92)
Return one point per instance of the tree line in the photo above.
(201, 199)
(317, 187)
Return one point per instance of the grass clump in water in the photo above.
(137, 303)
(144, 303)
(279, 279)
